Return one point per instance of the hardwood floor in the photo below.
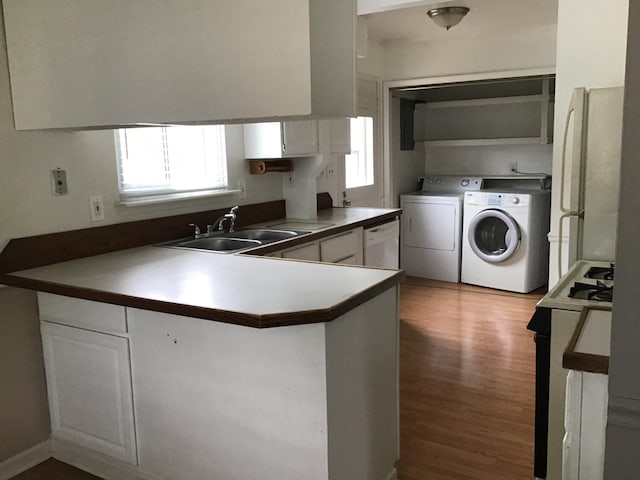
(467, 369)
(52, 469)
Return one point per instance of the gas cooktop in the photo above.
(586, 284)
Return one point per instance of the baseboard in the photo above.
(393, 475)
(96, 463)
(23, 461)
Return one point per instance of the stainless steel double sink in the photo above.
(236, 241)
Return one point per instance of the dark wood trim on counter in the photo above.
(248, 320)
(47, 249)
(584, 362)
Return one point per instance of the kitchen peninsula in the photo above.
(159, 370)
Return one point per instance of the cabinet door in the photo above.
(300, 138)
(309, 252)
(340, 129)
(340, 247)
(89, 385)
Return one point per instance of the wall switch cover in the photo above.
(59, 182)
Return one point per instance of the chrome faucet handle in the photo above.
(232, 217)
(196, 230)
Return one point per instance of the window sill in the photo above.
(174, 197)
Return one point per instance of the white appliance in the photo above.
(590, 175)
(589, 197)
(432, 227)
(505, 239)
(382, 245)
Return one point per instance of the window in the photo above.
(168, 160)
(359, 163)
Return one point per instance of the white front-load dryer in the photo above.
(504, 240)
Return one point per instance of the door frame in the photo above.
(378, 142)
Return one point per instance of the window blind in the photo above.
(165, 160)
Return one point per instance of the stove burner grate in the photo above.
(586, 291)
(603, 273)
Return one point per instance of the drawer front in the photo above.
(350, 260)
(75, 312)
(306, 252)
(338, 248)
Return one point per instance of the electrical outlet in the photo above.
(96, 207)
(331, 169)
(514, 167)
(59, 182)
(242, 185)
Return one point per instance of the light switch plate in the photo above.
(96, 208)
(59, 182)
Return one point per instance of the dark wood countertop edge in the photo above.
(236, 318)
(584, 362)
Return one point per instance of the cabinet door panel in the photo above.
(342, 246)
(300, 138)
(306, 252)
(89, 384)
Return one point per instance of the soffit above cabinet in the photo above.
(76, 64)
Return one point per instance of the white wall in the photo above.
(532, 48)
(488, 160)
(591, 52)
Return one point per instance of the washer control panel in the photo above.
(492, 199)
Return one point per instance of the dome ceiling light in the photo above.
(447, 17)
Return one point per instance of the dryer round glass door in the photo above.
(494, 235)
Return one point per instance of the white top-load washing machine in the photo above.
(504, 242)
(432, 227)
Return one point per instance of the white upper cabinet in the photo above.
(78, 64)
(281, 139)
(340, 129)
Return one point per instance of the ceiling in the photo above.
(485, 17)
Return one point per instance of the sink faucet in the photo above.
(218, 225)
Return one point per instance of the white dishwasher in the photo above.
(382, 245)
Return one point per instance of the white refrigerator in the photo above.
(590, 176)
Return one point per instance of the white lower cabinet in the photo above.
(309, 251)
(340, 248)
(345, 248)
(90, 390)
(585, 425)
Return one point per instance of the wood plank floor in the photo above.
(467, 369)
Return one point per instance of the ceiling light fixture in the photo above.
(447, 17)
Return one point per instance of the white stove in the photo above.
(587, 284)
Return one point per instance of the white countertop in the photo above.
(247, 289)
